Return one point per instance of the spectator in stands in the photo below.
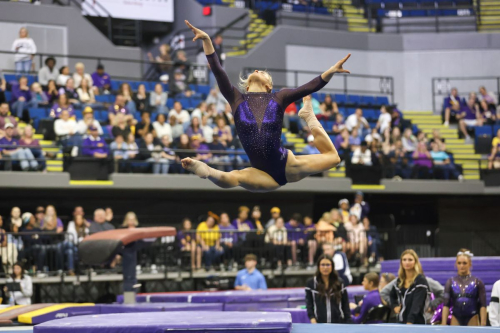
(181, 62)
(162, 60)
(354, 139)
(70, 91)
(119, 107)
(296, 237)
(88, 120)
(52, 92)
(15, 222)
(32, 144)
(109, 215)
(208, 237)
(22, 297)
(120, 126)
(85, 93)
(228, 115)
(215, 97)
(452, 106)
(12, 150)
(39, 215)
(357, 120)
(130, 221)
(493, 159)
(182, 116)
(494, 309)
(329, 108)
(187, 243)
(342, 141)
(360, 208)
(224, 131)
(255, 218)
(3, 88)
(217, 42)
(167, 152)
(80, 74)
(202, 151)
(277, 235)
(48, 72)
(362, 155)
(488, 103)
(357, 238)
(150, 152)
(162, 128)
(384, 120)
(61, 105)
(38, 96)
(422, 163)
(78, 229)
(25, 50)
(144, 126)
(141, 99)
(65, 128)
(51, 212)
(120, 152)
(100, 223)
(183, 144)
(94, 145)
(469, 116)
(101, 79)
(371, 300)
(339, 124)
(194, 129)
(410, 291)
(409, 141)
(373, 239)
(178, 85)
(374, 135)
(158, 99)
(21, 99)
(442, 164)
(327, 287)
(5, 118)
(242, 222)
(310, 149)
(275, 213)
(133, 148)
(126, 91)
(208, 131)
(250, 278)
(422, 137)
(64, 76)
(199, 111)
(228, 240)
(220, 161)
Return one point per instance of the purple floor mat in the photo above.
(157, 307)
(172, 322)
(299, 316)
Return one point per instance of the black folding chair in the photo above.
(378, 313)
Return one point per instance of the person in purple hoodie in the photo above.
(242, 223)
(102, 80)
(371, 300)
(296, 236)
(21, 99)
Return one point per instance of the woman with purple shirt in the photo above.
(469, 116)
(21, 99)
(258, 118)
(228, 239)
(242, 222)
(194, 129)
(61, 105)
(422, 162)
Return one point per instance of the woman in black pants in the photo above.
(410, 291)
(326, 297)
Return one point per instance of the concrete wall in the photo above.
(412, 59)
(82, 37)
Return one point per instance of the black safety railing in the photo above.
(358, 84)
(441, 87)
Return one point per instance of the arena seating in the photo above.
(441, 269)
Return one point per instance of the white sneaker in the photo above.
(446, 124)
(154, 270)
(461, 178)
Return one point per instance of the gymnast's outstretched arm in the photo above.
(291, 95)
(225, 86)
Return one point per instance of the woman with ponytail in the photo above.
(409, 294)
(466, 294)
(326, 297)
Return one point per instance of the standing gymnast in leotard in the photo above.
(466, 293)
(258, 117)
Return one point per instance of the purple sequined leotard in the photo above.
(258, 118)
(466, 294)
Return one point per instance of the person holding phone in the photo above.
(23, 295)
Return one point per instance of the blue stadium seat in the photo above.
(115, 85)
(323, 123)
(39, 113)
(369, 114)
(321, 10)
(448, 12)
(353, 99)
(340, 98)
(78, 114)
(101, 98)
(329, 124)
(368, 100)
(202, 89)
(10, 78)
(299, 8)
(350, 111)
(484, 131)
(418, 13)
(8, 95)
(153, 116)
(342, 111)
(495, 129)
(170, 103)
(382, 100)
(315, 96)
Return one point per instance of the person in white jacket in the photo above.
(25, 50)
(494, 309)
(65, 128)
(22, 297)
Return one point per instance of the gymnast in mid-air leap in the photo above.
(258, 117)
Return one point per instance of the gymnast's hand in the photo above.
(337, 68)
(198, 34)
(397, 309)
